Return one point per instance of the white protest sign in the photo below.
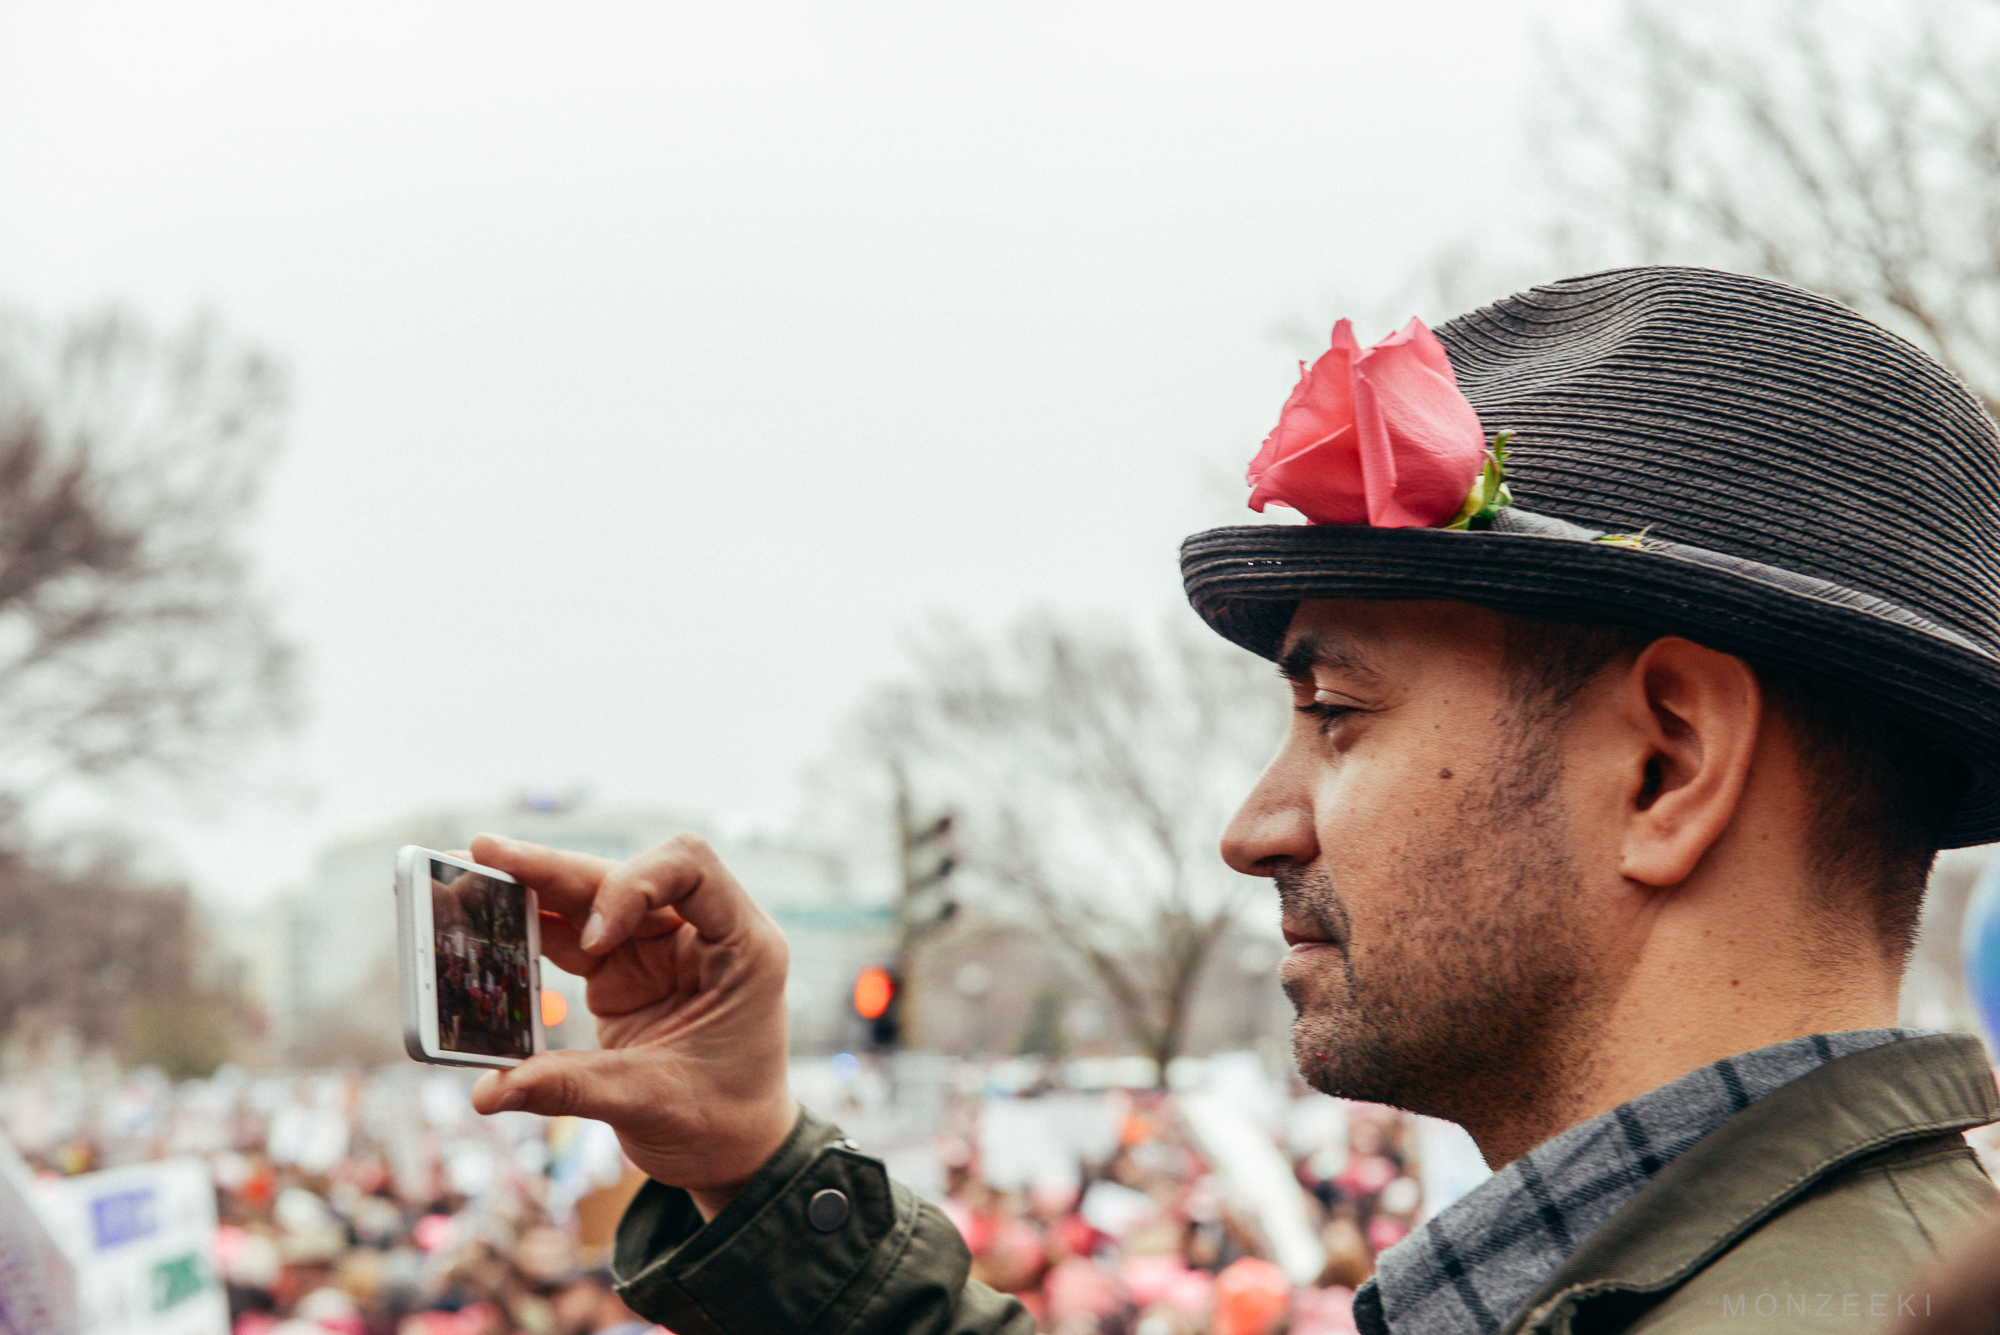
(1450, 1163)
(1044, 1141)
(1257, 1179)
(37, 1286)
(141, 1241)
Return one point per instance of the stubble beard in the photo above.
(1480, 1002)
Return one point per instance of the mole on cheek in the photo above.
(1444, 774)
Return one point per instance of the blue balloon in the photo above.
(1981, 939)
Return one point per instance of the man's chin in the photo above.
(1324, 1054)
(1339, 1055)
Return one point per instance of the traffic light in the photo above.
(930, 856)
(875, 1002)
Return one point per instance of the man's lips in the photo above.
(1310, 936)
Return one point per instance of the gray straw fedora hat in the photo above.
(1789, 482)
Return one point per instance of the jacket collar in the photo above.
(1751, 1166)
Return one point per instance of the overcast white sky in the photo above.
(658, 367)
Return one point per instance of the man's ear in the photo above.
(1694, 715)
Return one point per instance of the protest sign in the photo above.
(1257, 1180)
(37, 1285)
(1043, 1141)
(140, 1239)
(1449, 1161)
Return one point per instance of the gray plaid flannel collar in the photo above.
(1466, 1271)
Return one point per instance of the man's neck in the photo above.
(1697, 986)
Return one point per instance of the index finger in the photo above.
(683, 874)
(566, 882)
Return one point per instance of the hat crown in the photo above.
(1750, 418)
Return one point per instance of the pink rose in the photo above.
(1380, 437)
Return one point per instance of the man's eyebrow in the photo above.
(1313, 650)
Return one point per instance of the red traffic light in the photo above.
(555, 1007)
(874, 989)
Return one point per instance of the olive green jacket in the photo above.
(1812, 1209)
(1817, 1208)
(820, 1240)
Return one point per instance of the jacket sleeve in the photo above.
(819, 1240)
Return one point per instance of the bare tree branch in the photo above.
(1093, 771)
(1849, 147)
(129, 633)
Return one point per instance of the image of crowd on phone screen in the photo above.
(482, 964)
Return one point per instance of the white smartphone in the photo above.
(470, 948)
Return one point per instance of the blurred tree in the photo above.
(90, 944)
(186, 1037)
(1091, 771)
(129, 633)
(1849, 146)
(1045, 1035)
(130, 640)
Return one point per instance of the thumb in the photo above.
(553, 1084)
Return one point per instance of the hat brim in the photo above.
(1247, 581)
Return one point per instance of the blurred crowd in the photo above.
(1231, 1200)
(380, 1204)
(362, 1205)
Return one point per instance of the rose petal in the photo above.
(1416, 335)
(1420, 443)
(1268, 451)
(1321, 404)
(1322, 481)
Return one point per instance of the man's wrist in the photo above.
(802, 1246)
(710, 1200)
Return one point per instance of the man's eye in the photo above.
(1325, 711)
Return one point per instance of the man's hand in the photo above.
(687, 981)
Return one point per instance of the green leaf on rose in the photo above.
(1490, 494)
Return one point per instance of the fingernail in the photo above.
(593, 932)
(512, 1101)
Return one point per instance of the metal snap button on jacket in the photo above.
(827, 1210)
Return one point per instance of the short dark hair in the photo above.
(1884, 793)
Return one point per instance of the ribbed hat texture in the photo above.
(1814, 494)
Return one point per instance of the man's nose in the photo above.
(1275, 821)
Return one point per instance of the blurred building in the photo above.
(991, 986)
(321, 963)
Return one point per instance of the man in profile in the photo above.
(1642, 650)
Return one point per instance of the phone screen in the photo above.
(480, 941)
